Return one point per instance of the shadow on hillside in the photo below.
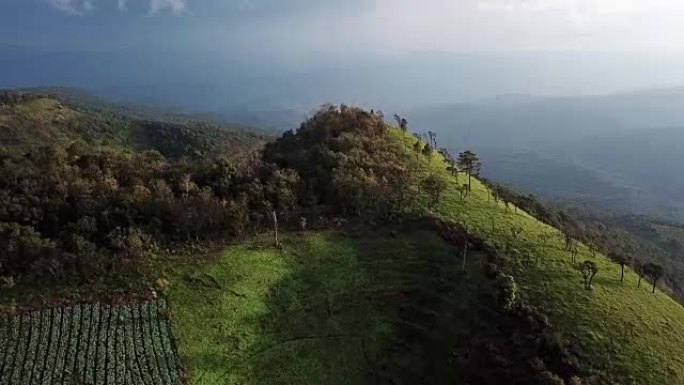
(363, 309)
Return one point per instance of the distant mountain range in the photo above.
(620, 151)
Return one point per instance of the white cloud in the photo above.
(73, 7)
(81, 7)
(528, 24)
(176, 6)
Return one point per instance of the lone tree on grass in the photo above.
(621, 260)
(574, 251)
(654, 272)
(433, 138)
(588, 270)
(401, 122)
(470, 164)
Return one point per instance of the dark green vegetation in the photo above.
(90, 344)
(348, 281)
(81, 192)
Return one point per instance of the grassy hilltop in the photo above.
(269, 298)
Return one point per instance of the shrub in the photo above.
(507, 291)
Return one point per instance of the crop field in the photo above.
(90, 344)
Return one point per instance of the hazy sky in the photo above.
(348, 25)
(358, 51)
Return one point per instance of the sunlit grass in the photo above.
(323, 310)
(626, 331)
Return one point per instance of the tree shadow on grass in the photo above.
(361, 310)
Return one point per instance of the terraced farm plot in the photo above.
(90, 344)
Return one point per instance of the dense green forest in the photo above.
(357, 229)
(82, 191)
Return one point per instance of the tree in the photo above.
(470, 163)
(621, 260)
(186, 185)
(588, 270)
(654, 272)
(641, 271)
(280, 195)
(434, 187)
(401, 122)
(433, 138)
(573, 252)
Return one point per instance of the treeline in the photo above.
(78, 211)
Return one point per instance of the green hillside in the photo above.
(328, 308)
(367, 283)
(39, 119)
(621, 333)
(631, 335)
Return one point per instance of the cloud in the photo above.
(73, 7)
(176, 6)
(81, 7)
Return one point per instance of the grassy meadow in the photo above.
(326, 308)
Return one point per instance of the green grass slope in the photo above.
(327, 308)
(633, 335)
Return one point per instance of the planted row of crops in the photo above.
(90, 344)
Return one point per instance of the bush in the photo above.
(507, 291)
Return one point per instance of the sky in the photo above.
(389, 26)
(246, 52)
